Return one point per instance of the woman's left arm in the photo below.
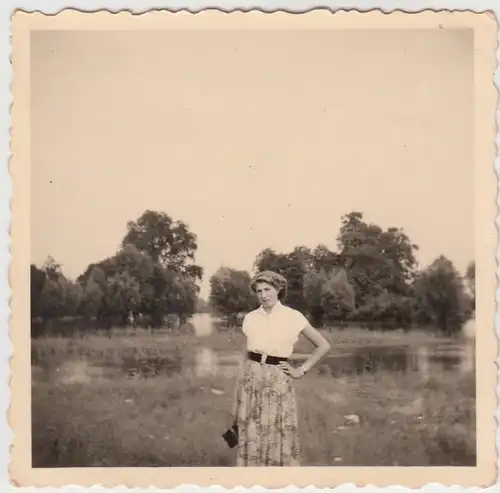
(322, 348)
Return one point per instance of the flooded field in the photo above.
(147, 398)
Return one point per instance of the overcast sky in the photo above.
(254, 139)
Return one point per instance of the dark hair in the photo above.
(276, 280)
(282, 291)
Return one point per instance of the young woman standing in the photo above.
(266, 406)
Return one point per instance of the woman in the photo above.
(266, 407)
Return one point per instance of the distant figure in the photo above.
(265, 404)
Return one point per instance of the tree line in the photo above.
(152, 274)
(372, 277)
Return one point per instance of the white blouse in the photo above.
(276, 333)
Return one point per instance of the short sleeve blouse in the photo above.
(276, 333)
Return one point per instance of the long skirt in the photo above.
(267, 417)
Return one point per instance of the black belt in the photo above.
(268, 360)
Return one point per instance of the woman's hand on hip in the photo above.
(290, 370)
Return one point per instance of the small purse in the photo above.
(231, 436)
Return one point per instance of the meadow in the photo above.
(139, 398)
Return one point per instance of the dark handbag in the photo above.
(231, 436)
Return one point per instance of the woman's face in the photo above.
(266, 294)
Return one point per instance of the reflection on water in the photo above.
(425, 360)
(469, 361)
(150, 366)
(206, 363)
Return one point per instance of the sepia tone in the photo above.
(269, 137)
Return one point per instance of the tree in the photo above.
(57, 296)
(94, 288)
(230, 293)
(122, 295)
(185, 293)
(379, 260)
(137, 263)
(166, 291)
(324, 259)
(168, 242)
(37, 278)
(470, 277)
(155, 294)
(117, 285)
(388, 308)
(52, 299)
(130, 282)
(329, 295)
(52, 268)
(440, 296)
(314, 281)
(306, 257)
(74, 298)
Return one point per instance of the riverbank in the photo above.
(114, 346)
(93, 406)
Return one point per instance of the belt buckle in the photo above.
(263, 358)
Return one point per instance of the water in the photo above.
(203, 324)
(423, 360)
(204, 362)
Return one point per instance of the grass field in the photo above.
(86, 411)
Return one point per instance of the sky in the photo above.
(254, 139)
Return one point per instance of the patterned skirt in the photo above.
(267, 417)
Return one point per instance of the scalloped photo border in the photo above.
(19, 417)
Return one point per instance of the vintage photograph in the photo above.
(256, 247)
